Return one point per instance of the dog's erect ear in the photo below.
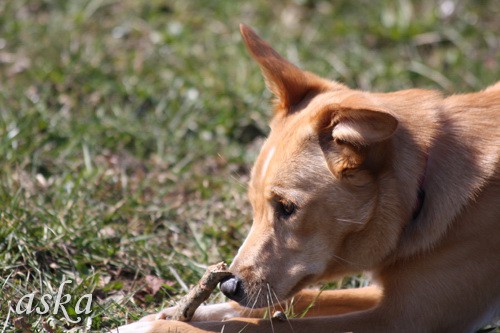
(363, 125)
(351, 131)
(286, 81)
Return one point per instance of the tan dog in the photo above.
(405, 185)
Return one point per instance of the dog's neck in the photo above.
(458, 165)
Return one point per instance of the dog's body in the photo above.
(405, 185)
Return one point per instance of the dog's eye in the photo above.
(285, 209)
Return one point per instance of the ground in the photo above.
(128, 129)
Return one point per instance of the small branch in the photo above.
(200, 293)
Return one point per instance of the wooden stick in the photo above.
(198, 294)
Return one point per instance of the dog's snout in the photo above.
(232, 287)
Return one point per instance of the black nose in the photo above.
(232, 287)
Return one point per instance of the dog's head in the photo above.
(316, 186)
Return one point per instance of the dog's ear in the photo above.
(286, 81)
(353, 135)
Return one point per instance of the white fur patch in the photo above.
(221, 311)
(267, 161)
(242, 246)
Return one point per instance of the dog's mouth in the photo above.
(248, 294)
(305, 281)
(259, 295)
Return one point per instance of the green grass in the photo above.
(127, 129)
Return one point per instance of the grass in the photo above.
(127, 129)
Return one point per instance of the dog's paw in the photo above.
(150, 317)
(168, 313)
(212, 312)
(165, 326)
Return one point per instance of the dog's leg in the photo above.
(363, 321)
(314, 303)
(383, 318)
(403, 309)
(307, 303)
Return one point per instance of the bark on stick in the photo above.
(200, 292)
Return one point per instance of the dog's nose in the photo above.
(232, 288)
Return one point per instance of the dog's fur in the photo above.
(405, 185)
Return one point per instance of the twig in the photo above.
(199, 293)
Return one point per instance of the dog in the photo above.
(405, 185)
